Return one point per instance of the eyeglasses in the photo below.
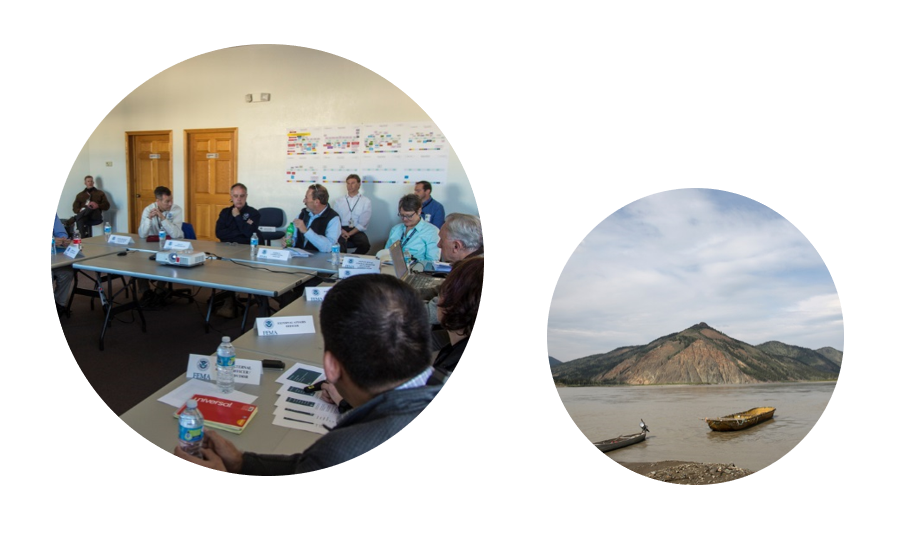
(406, 217)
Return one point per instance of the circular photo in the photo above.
(695, 336)
(267, 260)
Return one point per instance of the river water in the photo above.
(673, 413)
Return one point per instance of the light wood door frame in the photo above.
(131, 173)
(188, 162)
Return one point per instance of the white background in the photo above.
(810, 108)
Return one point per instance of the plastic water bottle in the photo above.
(162, 237)
(54, 246)
(226, 358)
(335, 254)
(108, 231)
(289, 235)
(407, 258)
(191, 429)
(253, 245)
(76, 241)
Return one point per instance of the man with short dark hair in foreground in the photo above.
(377, 354)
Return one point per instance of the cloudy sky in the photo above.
(677, 258)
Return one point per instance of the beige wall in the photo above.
(308, 88)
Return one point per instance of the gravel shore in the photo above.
(687, 473)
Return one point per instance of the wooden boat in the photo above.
(622, 441)
(740, 421)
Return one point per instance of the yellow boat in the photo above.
(740, 421)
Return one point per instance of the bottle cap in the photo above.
(191, 404)
(226, 339)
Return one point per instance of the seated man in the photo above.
(238, 222)
(355, 214)
(460, 238)
(418, 237)
(317, 228)
(62, 277)
(88, 206)
(432, 210)
(380, 370)
(161, 213)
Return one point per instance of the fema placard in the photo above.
(178, 245)
(119, 240)
(245, 371)
(349, 272)
(281, 326)
(315, 294)
(274, 254)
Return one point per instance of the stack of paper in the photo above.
(299, 409)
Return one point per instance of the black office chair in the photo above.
(273, 217)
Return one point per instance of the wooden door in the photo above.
(149, 165)
(211, 169)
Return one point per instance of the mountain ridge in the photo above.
(701, 354)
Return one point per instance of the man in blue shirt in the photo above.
(63, 276)
(432, 211)
(419, 238)
(318, 226)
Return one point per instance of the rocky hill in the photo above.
(700, 355)
(554, 362)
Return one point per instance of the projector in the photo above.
(185, 260)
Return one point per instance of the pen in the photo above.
(314, 387)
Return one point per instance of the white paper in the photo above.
(283, 326)
(178, 397)
(300, 374)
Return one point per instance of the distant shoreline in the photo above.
(601, 385)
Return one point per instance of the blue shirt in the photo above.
(59, 230)
(435, 212)
(421, 241)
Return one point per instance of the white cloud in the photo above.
(673, 259)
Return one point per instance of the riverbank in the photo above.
(687, 473)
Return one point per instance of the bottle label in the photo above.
(191, 434)
(226, 361)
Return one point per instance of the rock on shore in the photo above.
(687, 473)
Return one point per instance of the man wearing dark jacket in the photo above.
(238, 222)
(379, 369)
(88, 207)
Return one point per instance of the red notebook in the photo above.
(223, 414)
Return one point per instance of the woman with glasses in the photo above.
(418, 237)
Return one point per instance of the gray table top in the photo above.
(89, 250)
(154, 420)
(250, 278)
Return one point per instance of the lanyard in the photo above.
(404, 239)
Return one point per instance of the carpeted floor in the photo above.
(135, 364)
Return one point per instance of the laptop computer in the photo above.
(403, 273)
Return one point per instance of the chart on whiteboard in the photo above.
(389, 153)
